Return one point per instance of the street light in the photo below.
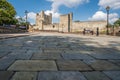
(26, 12)
(62, 27)
(107, 9)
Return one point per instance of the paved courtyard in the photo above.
(57, 56)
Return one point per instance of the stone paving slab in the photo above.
(61, 75)
(3, 53)
(76, 56)
(89, 62)
(105, 55)
(5, 62)
(52, 50)
(20, 56)
(103, 65)
(15, 45)
(39, 51)
(55, 48)
(114, 75)
(18, 51)
(93, 56)
(95, 75)
(33, 65)
(77, 51)
(25, 76)
(88, 48)
(115, 62)
(92, 44)
(6, 75)
(7, 48)
(73, 65)
(50, 56)
(64, 44)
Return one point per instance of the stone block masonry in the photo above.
(66, 24)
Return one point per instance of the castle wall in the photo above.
(51, 27)
(89, 25)
(70, 22)
(44, 22)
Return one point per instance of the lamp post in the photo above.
(26, 12)
(62, 27)
(107, 9)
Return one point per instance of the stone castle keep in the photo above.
(66, 24)
(42, 19)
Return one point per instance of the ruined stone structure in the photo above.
(42, 19)
(66, 24)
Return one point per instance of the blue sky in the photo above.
(83, 10)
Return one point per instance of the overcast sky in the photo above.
(83, 10)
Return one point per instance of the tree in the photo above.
(117, 23)
(7, 13)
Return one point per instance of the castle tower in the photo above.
(70, 18)
(50, 18)
(66, 22)
(42, 14)
(37, 19)
(42, 19)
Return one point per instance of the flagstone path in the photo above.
(58, 56)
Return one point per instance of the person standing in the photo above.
(84, 31)
(97, 32)
(92, 32)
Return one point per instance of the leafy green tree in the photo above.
(7, 13)
(117, 23)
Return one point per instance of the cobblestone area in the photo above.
(56, 56)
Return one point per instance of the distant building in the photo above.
(66, 24)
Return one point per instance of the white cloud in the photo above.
(114, 4)
(32, 23)
(113, 17)
(55, 8)
(32, 15)
(57, 3)
(17, 17)
(54, 14)
(71, 3)
(100, 15)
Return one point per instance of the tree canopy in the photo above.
(7, 13)
(117, 23)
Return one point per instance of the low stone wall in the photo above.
(51, 27)
(10, 30)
